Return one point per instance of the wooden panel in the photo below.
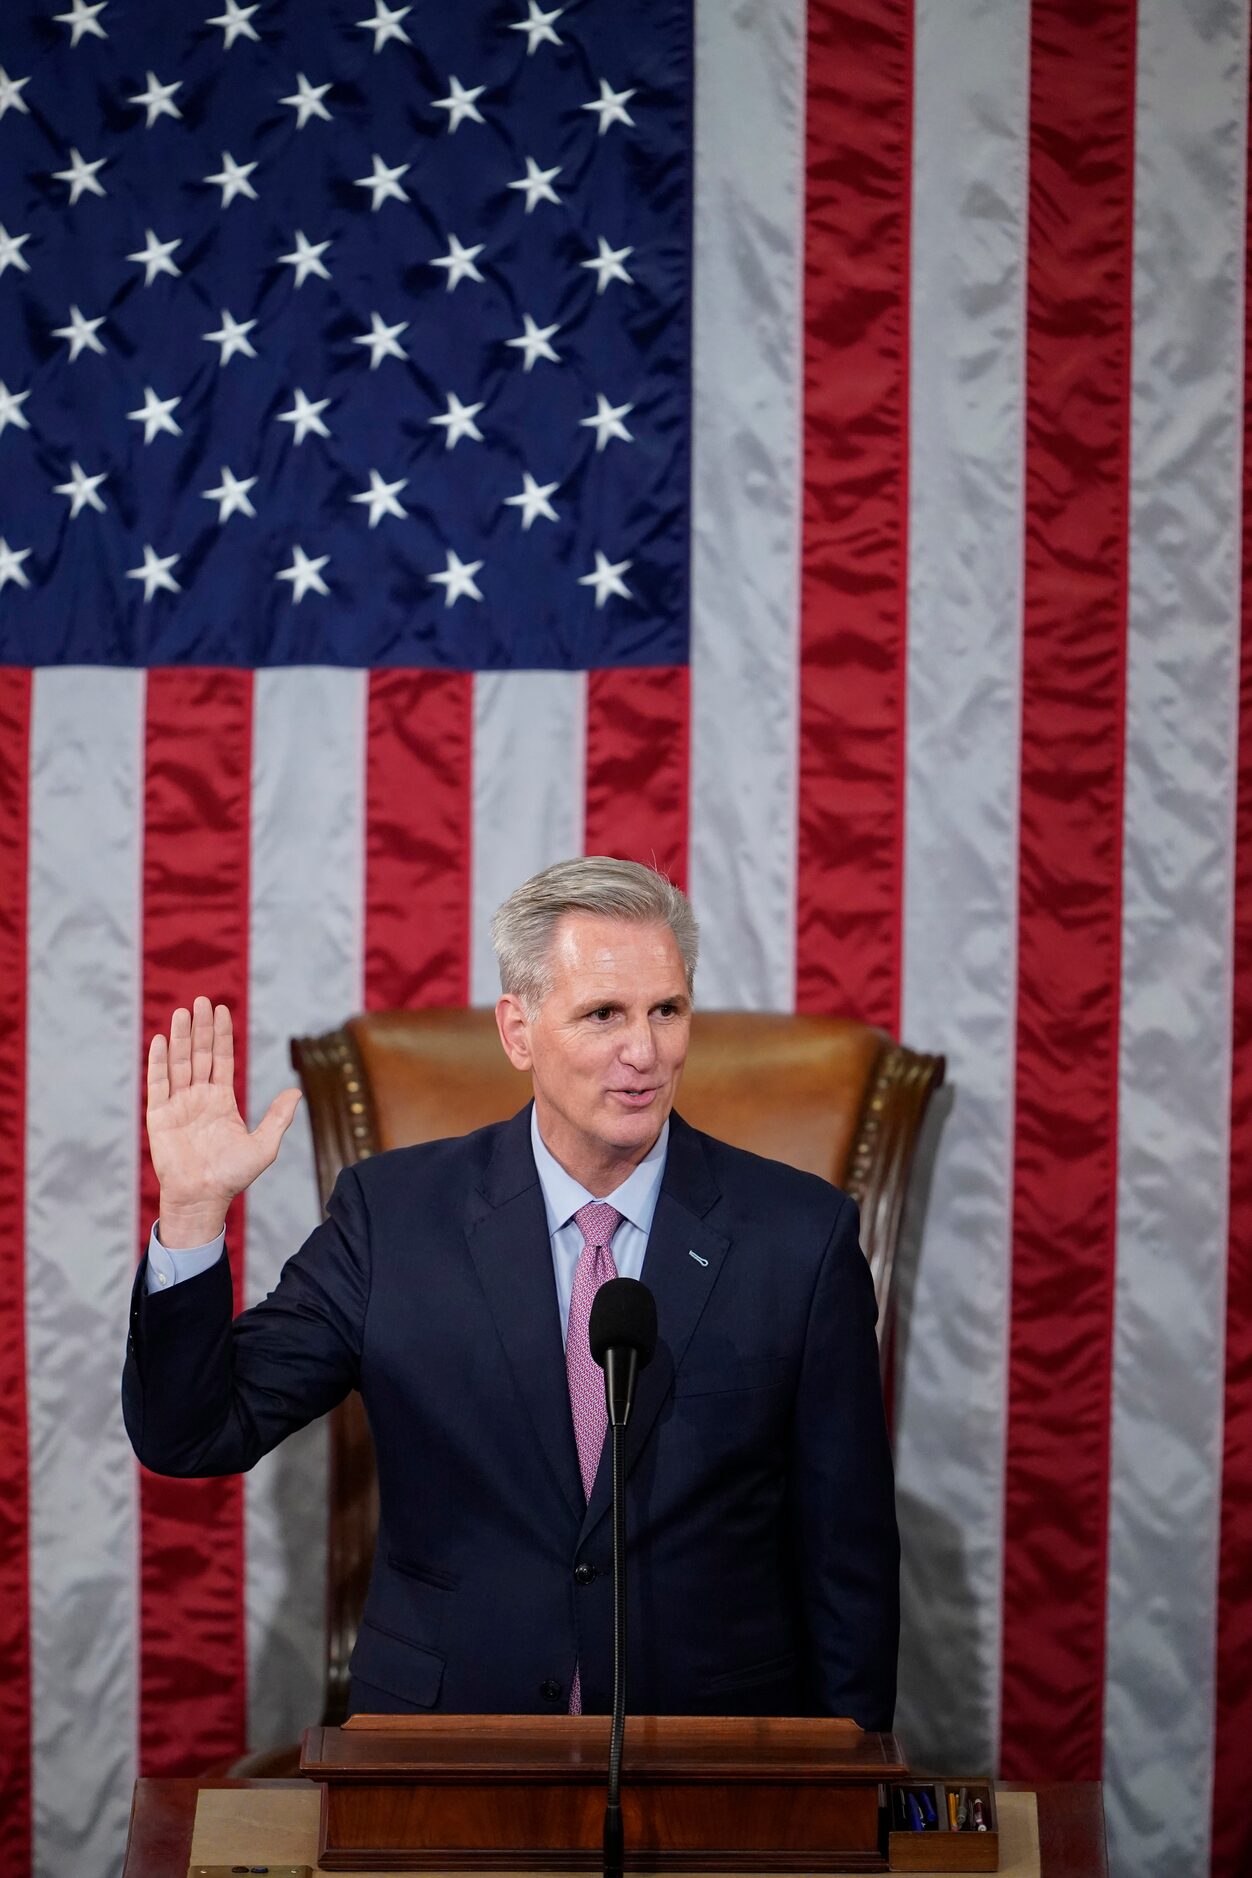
(1071, 1825)
(574, 1748)
(709, 1793)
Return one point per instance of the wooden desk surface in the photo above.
(1071, 1826)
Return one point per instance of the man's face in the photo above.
(606, 1047)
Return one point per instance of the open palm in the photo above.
(202, 1151)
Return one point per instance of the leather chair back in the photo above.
(830, 1095)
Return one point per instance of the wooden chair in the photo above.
(826, 1094)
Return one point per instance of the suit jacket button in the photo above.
(584, 1573)
(551, 1691)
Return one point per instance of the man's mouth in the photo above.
(634, 1098)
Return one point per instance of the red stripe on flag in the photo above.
(417, 839)
(195, 940)
(1232, 1825)
(15, 1721)
(854, 556)
(1069, 942)
(637, 766)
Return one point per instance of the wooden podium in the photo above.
(526, 1793)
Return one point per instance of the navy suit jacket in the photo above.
(763, 1555)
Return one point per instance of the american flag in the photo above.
(801, 443)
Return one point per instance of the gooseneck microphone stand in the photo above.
(614, 1846)
(622, 1335)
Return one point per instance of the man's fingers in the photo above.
(276, 1120)
(223, 1047)
(180, 1050)
(201, 1040)
(158, 1072)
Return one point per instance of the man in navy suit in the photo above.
(444, 1284)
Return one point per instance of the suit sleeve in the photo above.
(842, 1494)
(204, 1392)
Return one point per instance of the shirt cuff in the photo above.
(166, 1268)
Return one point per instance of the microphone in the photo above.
(622, 1335)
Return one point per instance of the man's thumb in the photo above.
(276, 1120)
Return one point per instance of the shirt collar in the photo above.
(635, 1199)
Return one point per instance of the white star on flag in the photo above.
(607, 265)
(236, 23)
(83, 18)
(461, 103)
(533, 343)
(607, 421)
(305, 575)
(306, 416)
(155, 257)
(384, 183)
(381, 340)
(606, 578)
(81, 176)
(533, 500)
(538, 184)
(457, 579)
(11, 412)
(458, 421)
(611, 106)
(306, 258)
(306, 100)
(381, 497)
(11, 250)
(232, 337)
(155, 573)
(459, 262)
(11, 564)
(81, 490)
(11, 98)
(81, 333)
(233, 180)
(158, 98)
(231, 496)
(537, 26)
(386, 25)
(154, 415)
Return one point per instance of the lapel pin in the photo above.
(696, 1256)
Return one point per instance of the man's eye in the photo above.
(603, 1012)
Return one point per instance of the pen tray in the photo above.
(939, 1848)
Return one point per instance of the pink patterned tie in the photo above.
(597, 1223)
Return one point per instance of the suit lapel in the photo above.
(681, 1267)
(507, 1233)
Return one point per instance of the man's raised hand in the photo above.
(201, 1149)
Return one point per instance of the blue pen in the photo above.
(928, 1808)
(915, 1813)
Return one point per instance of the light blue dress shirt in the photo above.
(635, 1200)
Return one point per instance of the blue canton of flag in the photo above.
(340, 332)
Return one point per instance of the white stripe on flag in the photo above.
(530, 762)
(307, 849)
(1173, 1173)
(971, 135)
(746, 474)
(86, 816)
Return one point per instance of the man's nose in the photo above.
(639, 1045)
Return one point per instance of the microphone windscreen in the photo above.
(623, 1317)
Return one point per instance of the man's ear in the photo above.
(514, 1028)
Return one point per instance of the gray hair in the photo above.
(523, 928)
